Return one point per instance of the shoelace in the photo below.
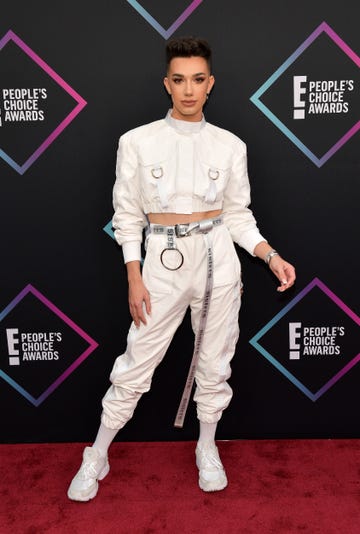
(210, 460)
(88, 470)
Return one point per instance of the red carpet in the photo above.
(275, 487)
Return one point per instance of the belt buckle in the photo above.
(181, 230)
(205, 226)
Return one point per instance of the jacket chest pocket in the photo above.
(154, 169)
(213, 178)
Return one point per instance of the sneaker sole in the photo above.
(214, 485)
(80, 497)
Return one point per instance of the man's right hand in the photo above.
(139, 297)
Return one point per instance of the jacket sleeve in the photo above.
(129, 218)
(237, 216)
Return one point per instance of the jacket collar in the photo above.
(186, 127)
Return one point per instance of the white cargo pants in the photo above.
(171, 293)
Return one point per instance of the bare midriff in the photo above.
(170, 219)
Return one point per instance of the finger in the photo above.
(135, 319)
(290, 274)
(140, 313)
(284, 286)
(133, 314)
(147, 303)
(286, 282)
(283, 279)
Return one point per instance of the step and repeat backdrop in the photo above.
(74, 76)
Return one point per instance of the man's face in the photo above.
(188, 81)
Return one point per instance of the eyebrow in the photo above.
(182, 75)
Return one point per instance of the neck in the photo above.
(184, 126)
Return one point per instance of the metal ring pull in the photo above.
(173, 260)
(157, 172)
(213, 174)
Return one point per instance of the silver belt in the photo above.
(179, 231)
(184, 230)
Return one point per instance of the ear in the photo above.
(210, 83)
(167, 85)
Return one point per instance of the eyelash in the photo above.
(197, 80)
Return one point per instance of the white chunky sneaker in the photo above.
(84, 486)
(212, 476)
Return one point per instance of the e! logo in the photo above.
(299, 90)
(294, 346)
(12, 340)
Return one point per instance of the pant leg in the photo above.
(213, 393)
(146, 346)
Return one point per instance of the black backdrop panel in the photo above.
(74, 76)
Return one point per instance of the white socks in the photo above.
(106, 435)
(207, 433)
(104, 439)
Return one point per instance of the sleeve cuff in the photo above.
(131, 251)
(250, 241)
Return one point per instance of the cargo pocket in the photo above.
(156, 277)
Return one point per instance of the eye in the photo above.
(200, 79)
(177, 80)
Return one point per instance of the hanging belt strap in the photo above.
(180, 416)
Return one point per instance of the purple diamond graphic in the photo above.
(46, 305)
(322, 30)
(155, 24)
(289, 372)
(21, 168)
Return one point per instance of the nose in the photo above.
(188, 88)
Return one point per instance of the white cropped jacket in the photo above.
(173, 166)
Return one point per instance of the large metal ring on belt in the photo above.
(171, 258)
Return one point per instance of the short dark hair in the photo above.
(188, 47)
